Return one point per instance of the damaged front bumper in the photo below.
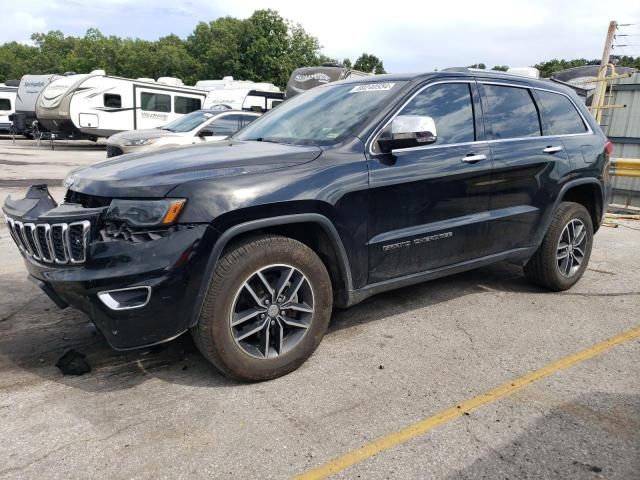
(138, 293)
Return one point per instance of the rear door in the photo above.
(526, 165)
(429, 204)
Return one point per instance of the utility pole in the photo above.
(601, 87)
(608, 44)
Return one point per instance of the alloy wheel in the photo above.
(571, 247)
(272, 311)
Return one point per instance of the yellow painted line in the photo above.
(402, 436)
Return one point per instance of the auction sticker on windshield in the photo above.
(372, 87)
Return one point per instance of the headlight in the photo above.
(139, 141)
(146, 213)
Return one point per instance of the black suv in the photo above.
(344, 191)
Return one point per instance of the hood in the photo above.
(154, 174)
(149, 133)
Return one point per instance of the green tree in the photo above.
(480, 66)
(346, 62)
(264, 47)
(369, 63)
(500, 68)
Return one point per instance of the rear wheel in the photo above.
(267, 308)
(564, 253)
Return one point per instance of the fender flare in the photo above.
(567, 186)
(252, 225)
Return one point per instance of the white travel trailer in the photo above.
(98, 105)
(7, 105)
(28, 91)
(241, 94)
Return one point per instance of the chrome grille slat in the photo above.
(28, 230)
(61, 243)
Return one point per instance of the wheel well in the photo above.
(314, 236)
(590, 197)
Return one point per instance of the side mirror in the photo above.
(406, 131)
(205, 132)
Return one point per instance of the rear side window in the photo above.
(449, 104)
(5, 104)
(186, 104)
(559, 114)
(509, 112)
(155, 102)
(112, 101)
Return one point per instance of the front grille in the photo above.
(61, 243)
(113, 151)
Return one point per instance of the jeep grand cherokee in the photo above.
(344, 191)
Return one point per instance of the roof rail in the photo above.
(529, 72)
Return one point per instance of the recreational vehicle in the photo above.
(305, 78)
(241, 94)
(7, 105)
(98, 105)
(29, 89)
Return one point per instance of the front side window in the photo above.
(225, 126)
(155, 102)
(560, 115)
(247, 119)
(186, 104)
(509, 112)
(188, 122)
(5, 104)
(451, 108)
(112, 100)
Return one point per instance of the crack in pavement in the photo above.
(62, 447)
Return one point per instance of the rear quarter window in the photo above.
(559, 114)
(5, 104)
(510, 112)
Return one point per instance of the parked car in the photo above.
(194, 127)
(347, 190)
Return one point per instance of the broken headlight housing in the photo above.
(145, 213)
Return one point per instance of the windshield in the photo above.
(187, 122)
(321, 116)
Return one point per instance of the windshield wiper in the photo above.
(265, 139)
(167, 129)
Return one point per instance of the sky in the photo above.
(411, 35)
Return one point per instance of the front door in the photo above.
(429, 205)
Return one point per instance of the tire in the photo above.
(291, 335)
(549, 267)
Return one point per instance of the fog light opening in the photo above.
(126, 298)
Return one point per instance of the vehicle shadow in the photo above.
(34, 333)
(592, 436)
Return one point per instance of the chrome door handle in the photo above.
(552, 149)
(474, 158)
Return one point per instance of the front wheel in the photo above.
(268, 306)
(564, 253)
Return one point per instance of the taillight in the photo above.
(608, 147)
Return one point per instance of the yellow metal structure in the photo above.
(625, 167)
(604, 91)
